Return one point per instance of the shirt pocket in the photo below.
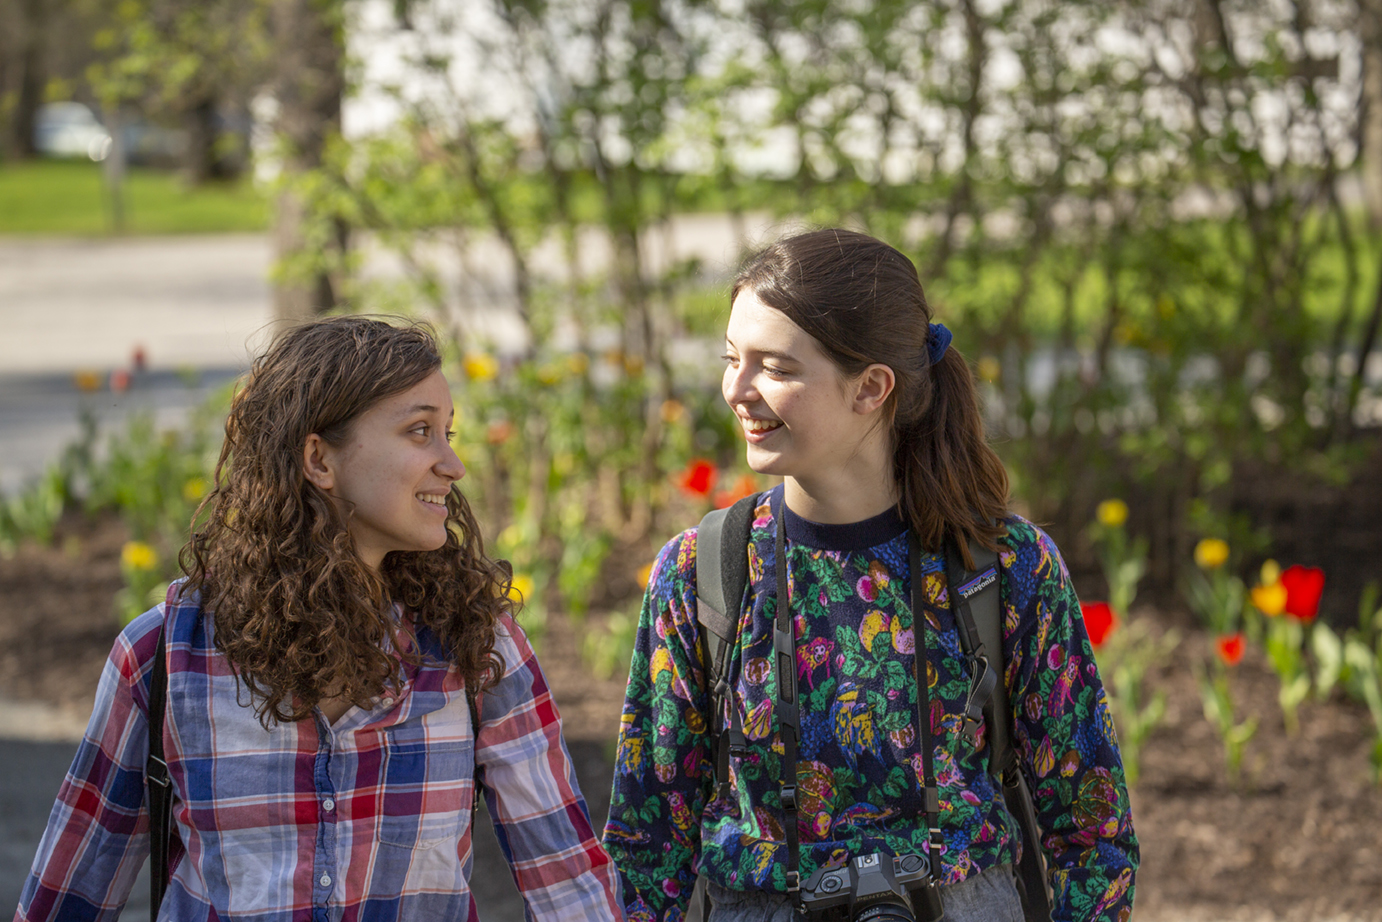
(428, 782)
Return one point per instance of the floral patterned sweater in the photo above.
(859, 767)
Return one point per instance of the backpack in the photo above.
(721, 579)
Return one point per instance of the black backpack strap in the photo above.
(722, 575)
(976, 599)
(160, 786)
(1035, 886)
(977, 616)
(472, 700)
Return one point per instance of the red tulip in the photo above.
(699, 477)
(1304, 585)
(1099, 621)
(1230, 647)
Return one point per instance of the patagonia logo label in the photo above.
(979, 583)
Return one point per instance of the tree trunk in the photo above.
(200, 162)
(310, 49)
(32, 77)
(1370, 16)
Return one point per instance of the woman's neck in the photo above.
(851, 495)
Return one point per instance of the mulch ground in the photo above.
(1296, 839)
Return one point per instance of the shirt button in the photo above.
(325, 881)
(328, 805)
(387, 702)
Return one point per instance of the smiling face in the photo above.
(802, 418)
(393, 471)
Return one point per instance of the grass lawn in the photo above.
(71, 198)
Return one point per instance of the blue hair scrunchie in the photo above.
(937, 342)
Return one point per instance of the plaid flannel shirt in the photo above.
(368, 818)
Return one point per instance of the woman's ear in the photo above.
(317, 464)
(872, 388)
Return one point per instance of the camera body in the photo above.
(872, 888)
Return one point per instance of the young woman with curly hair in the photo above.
(339, 630)
(841, 758)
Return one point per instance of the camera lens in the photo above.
(885, 912)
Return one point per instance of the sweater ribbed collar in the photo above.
(851, 536)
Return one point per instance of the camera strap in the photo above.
(787, 707)
(920, 667)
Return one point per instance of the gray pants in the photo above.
(988, 897)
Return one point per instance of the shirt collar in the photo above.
(851, 536)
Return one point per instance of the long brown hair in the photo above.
(863, 302)
(297, 612)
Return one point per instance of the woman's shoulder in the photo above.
(139, 637)
(1028, 553)
(675, 564)
(1024, 533)
(137, 643)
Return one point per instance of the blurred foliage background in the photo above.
(1154, 226)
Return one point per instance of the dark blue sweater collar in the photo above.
(853, 536)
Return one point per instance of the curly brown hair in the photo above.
(297, 612)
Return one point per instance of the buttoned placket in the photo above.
(324, 864)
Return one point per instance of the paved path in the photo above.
(199, 308)
(198, 302)
(195, 306)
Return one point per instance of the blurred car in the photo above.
(70, 129)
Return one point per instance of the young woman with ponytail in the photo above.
(845, 388)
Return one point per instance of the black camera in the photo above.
(873, 888)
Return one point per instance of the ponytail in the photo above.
(952, 485)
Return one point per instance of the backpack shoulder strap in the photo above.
(980, 588)
(472, 700)
(722, 575)
(974, 600)
(979, 614)
(160, 789)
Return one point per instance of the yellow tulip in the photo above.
(1112, 513)
(1270, 600)
(194, 489)
(521, 588)
(645, 573)
(136, 555)
(87, 380)
(578, 362)
(1211, 553)
(1271, 572)
(480, 366)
